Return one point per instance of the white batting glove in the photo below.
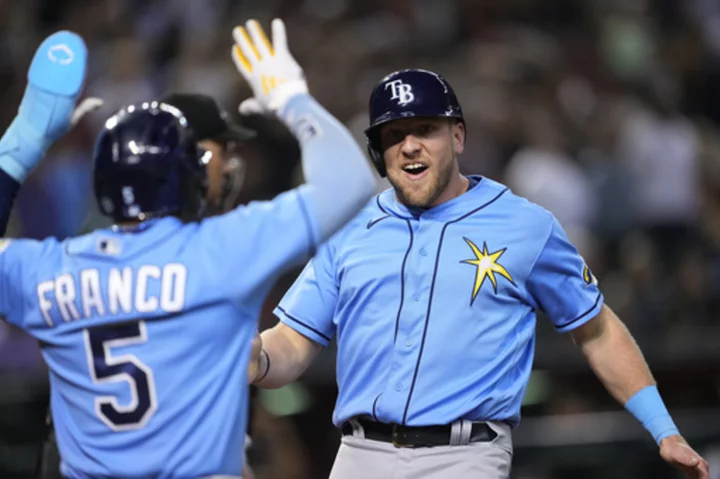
(271, 71)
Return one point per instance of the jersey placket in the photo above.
(412, 320)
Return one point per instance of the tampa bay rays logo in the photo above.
(487, 267)
(61, 54)
(402, 92)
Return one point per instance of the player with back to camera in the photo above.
(431, 293)
(146, 326)
(226, 171)
(214, 132)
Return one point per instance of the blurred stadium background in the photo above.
(604, 111)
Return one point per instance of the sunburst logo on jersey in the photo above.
(487, 267)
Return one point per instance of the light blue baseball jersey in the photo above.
(434, 311)
(147, 334)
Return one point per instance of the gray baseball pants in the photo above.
(360, 458)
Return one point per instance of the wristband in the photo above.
(267, 368)
(647, 406)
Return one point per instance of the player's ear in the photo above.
(457, 129)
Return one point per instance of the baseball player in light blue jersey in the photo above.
(431, 293)
(146, 326)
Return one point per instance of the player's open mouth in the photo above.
(415, 170)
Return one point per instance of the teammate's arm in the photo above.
(617, 361)
(46, 112)
(562, 285)
(339, 179)
(264, 239)
(306, 323)
(291, 354)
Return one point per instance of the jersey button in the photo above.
(423, 252)
(409, 343)
(399, 387)
(416, 298)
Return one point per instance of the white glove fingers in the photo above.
(259, 39)
(279, 36)
(241, 63)
(267, 65)
(242, 39)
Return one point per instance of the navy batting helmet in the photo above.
(147, 164)
(407, 94)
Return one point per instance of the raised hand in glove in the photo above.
(48, 108)
(271, 71)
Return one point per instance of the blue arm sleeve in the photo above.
(339, 178)
(562, 285)
(309, 305)
(8, 191)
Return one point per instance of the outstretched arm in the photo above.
(618, 362)
(339, 179)
(562, 285)
(291, 354)
(47, 112)
(615, 357)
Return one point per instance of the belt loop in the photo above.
(358, 430)
(455, 433)
(465, 432)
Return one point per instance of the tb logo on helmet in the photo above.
(402, 92)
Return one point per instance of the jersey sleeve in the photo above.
(309, 305)
(19, 259)
(562, 285)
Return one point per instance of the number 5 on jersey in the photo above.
(107, 368)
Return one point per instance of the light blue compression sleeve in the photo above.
(339, 179)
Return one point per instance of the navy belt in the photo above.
(416, 436)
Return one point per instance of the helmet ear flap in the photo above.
(375, 153)
(377, 160)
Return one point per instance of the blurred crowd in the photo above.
(606, 112)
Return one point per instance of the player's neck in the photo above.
(458, 185)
